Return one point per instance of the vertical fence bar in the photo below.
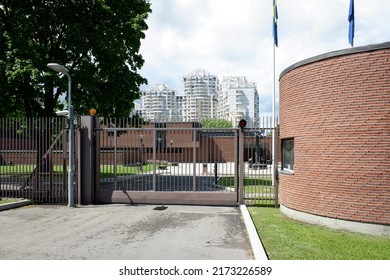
(51, 190)
(33, 179)
(194, 160)
(64, 153)
(45, 159)
(236, 164)
(215, 160)
(9, 144)
(181, 160)
(3, 178)
(170, 159)
(268, 186)
(44, 162)
(139, 160)
(277, 151)
(267, 175)
(43, 166)
(5, 167)
(154, 158)
(104, 150)
(38, 164)
(55, 159)
(115, 159)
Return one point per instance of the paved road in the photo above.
(119, 232)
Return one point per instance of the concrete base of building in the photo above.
(367, 228)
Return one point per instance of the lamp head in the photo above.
(58, 68)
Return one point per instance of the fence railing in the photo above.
(33, 153)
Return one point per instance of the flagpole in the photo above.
(273, 119)
(275, 44)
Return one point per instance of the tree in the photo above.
(97, 40)
(216, 123)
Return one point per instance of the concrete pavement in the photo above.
(120, 232)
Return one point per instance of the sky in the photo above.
(234, 37)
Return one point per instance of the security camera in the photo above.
(64, 113)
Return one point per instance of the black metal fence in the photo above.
(33, 157)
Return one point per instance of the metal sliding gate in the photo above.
(182, 163)
(168, 165)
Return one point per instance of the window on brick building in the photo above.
(288, 154)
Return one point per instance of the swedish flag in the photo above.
(275, 23)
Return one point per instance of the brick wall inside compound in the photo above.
(337, 108)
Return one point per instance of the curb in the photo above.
(15, 204)
(257, 246)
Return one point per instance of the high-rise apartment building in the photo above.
(159, 104)
(200, 95)
(238, 99)
(203, 97)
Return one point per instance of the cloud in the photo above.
(228, 37)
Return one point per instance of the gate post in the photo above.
(88, 176)
(241, 166)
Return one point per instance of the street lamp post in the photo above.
(61, 69)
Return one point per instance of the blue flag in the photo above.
(275, 23)
(351, 19)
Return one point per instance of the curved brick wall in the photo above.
(337, 108)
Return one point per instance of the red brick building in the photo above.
(176, 142)
(335, 134)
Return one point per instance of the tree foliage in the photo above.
(216, 123)
(97, 40)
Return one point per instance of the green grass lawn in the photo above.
(4, 201)
(106, 171)
(261, 186)
(229, 181)
(24, 169)
(286, 239)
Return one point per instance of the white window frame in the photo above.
(288, 155)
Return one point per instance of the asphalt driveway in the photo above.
(122, 232)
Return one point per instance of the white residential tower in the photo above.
(238, 99)
(200, 96)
